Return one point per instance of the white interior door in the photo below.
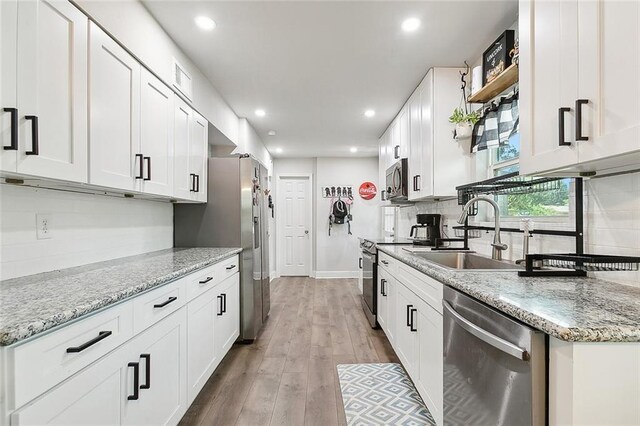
(294, 226)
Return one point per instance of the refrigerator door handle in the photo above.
(256, 232)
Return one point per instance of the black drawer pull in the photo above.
(561, 112)
(197, 183)
(192, 183)
(383, 284)
(147, 368)
(14, 129)
(136, 381)
(140, 164)
(409, 315)
(220, 312)
(230, 267)
(224, 303)
(148, 160)
(101, 336)
(166, 302)
(384, 262)
(35, 147)
(206, 280)
(579, 135)
(412, 325)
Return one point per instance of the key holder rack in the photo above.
(345, 191)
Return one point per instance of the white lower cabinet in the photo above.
(414, 327)
(116, 376)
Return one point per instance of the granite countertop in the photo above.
(570, 309)
(36, 303)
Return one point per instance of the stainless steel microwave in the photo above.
(397, 185)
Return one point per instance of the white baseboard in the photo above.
(273, 275)
(336, 274)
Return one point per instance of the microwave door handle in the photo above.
(397, 184)
(484, 335)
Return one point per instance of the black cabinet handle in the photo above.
(230, 267)
(412, 325)
(360, 263)
(197, 183)
(224, 303)
(14, 129)
(579, 135)
(383, 284)
(396, 152)
(192, 178)
(409, 315)
(136, 381)
(561, 112)
(166, 302)
(206, 280)
(414, 184)
(147, 368)
(385, 262)
(35, 144)
(101, 336)
(148, 160)
(220, 312)
(140, 161)
(418, 182)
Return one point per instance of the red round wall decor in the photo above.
(368, 190)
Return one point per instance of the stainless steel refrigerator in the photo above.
(236, 215)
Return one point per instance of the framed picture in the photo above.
(496, 58)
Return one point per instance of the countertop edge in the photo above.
(611, 334)
(7, 338)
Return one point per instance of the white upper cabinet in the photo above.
(44, 88)
(198, 154)
(190, 153)
(156, 135)
(579, 79)
(115, 159)
(416, 179)
(609, 79)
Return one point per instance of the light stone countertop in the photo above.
(570, 309)
(37, 303)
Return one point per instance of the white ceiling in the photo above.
(316, 66)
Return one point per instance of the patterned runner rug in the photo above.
(380, 394)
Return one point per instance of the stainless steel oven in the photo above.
(494, 366)
(369, 280)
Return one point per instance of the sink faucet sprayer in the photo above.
(497, 245)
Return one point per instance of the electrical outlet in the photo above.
(43, 226)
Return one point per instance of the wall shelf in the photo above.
(501, 83)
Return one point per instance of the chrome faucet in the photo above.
(497, 245)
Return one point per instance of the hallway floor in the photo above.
(288, 376)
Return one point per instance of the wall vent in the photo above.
(182, 80)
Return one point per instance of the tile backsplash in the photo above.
(84, 228)
(612, 224)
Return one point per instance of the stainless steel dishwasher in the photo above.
(494, 366)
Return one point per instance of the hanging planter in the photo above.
(464, 123)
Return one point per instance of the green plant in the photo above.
(459, 116)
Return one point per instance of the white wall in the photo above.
(612, 225)
(250, 142)
(85, 228)
(335, 256)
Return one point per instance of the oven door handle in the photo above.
(484, 335)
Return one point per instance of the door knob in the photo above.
(306, 231)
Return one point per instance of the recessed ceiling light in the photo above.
(369, 113)
(410, 24)
(271, 133)
(205, 23)
(353, 149)
(278, 150)
(260, 113)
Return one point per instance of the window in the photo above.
(505, 160)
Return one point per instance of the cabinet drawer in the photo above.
(425, 287)
(227, 267)
(151, 307)
(201, 281)
(387, 262)
(48, 360)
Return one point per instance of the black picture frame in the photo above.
(496, 58)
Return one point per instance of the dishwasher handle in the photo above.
(485, 336)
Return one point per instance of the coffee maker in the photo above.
(427, 231)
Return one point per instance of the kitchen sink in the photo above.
(466, 261)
